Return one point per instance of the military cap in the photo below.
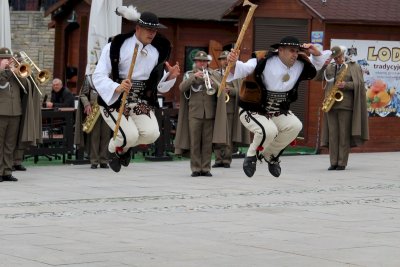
(223, 55)
(5, 52)
(338, 51)
(201, 55)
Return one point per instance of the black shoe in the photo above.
(93, 166)
(274, 167)
(208, 174)
(1, 179)
(9, 178)
(218, 165)
(332, 167)
(195, 174)
(104, 166)
(18, 168)
(125, 158)
(115, 163)
(249, 165)
(340, 168)
(227, 165)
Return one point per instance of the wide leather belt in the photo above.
(274, 101)
(136, 92)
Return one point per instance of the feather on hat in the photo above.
(145, 19)
(129, 13)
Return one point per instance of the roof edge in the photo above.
(231, 8)
(312, 9)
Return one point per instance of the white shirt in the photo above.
(274, 71)
(146, 60)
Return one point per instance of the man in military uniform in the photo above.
(201, 113)
(99, 137)
(30, 128)
(346, 123)
(236, 132)
(10, 113)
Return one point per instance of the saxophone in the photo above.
(334, 94)
(90, 120)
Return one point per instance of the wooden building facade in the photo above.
(214, 25)
(70, 18)
(274, 19)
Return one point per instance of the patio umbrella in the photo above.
(5, 30)
(103, 24)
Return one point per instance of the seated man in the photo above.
(61, 97)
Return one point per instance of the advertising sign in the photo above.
(380, 63)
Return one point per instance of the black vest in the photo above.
(163, 47)
(308, 73)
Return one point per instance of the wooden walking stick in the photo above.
(238, 42)
(122, 107)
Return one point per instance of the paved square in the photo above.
(155, 214)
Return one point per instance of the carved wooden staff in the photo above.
(238, 42)
(122, 107)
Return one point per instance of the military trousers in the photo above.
(201, 134)
(18, 156)
(223, 152)
(138, 126)
(9, 126)
(339, 125)
(271, 134)
(99, 139)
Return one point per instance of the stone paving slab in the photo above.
(155, 214)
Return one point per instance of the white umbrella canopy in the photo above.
(5, 30)
(103, 24)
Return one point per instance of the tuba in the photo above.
(90, 120)
(334, 95)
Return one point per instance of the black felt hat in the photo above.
(287, 41)
(149, 20)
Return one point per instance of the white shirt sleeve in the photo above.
(103, 84)
(242, 69)
(318, 61)
(164, 85)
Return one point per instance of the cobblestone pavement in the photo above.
(155, 214)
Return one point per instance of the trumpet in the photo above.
(207, 81)
(43, 76)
